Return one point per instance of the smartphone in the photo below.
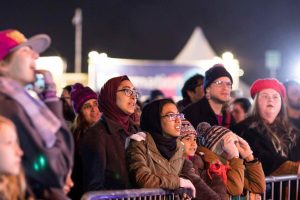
(39, 84)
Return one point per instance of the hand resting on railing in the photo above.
(188, 184)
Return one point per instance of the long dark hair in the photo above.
(79, 126)
(281, 132)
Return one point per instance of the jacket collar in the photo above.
(152, 147)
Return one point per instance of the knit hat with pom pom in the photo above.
(208, 136)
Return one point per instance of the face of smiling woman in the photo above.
(170, 127)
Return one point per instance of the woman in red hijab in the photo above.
(103, 146)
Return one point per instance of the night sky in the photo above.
(158, 29)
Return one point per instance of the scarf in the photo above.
(45, 122)
(219, 169)
(166, 146)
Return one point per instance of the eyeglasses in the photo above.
(173, 116)
(223, 83)
(128, 92)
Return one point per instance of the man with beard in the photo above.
(211, 108)
(293, 101)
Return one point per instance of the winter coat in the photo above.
(149, 169)
(273, 162)
(201, 111)
(45, 183)
(249, 176)
(103, 155)
(212, 180)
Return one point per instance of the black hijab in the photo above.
(150, 122)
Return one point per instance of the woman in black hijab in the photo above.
(156, 159)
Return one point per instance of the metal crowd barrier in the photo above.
(282, 187)
(278, 187)
(137, 194)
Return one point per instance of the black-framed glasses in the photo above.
(173, 116)
(220, 83)
(128, 92)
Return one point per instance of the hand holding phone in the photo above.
(44, 84)
(39, 84)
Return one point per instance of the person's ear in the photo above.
(207, 93)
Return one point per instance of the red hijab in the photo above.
(107, 101)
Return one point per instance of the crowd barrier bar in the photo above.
(161, 194)
(136, 194)
(281, 180)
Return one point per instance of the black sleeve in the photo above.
(263, 149)
(295, 151)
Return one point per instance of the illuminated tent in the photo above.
(198, 48)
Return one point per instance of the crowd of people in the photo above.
(217, 146)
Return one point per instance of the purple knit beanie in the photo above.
(81, 94)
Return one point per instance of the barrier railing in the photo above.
(282, 187)
(137, 194)
(278, 187)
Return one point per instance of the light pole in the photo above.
(77, 22)
(273, 61)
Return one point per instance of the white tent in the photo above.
(196, 48)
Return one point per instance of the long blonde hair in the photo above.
(12, 187)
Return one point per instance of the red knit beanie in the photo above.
(267, 83)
